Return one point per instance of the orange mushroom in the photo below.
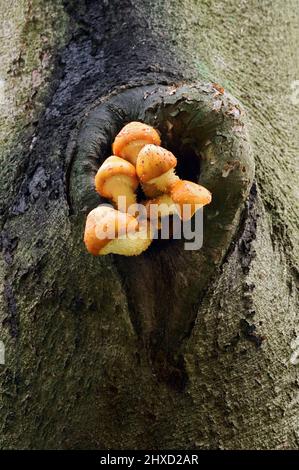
(185, 199)
(189, 197)
(108, 230)
(132, 137)
(115, 178)
(155, 169)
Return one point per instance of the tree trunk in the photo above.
(171, 349)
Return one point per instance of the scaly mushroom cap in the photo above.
(117, 177)
(186, 193)
(132, 137)
(155, 169)
(110, 231)
(153, 161)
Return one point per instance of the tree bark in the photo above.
(169, 349)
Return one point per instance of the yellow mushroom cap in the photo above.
(108, 230)
(117, 177)
(132, 137)
(153, 161)
(185, 192)
(114, 166)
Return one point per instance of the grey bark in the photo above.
(88, 363)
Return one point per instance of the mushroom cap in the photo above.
(135, 131)
(187, 192)
(115, 166)
(104, 224)
(153, 161)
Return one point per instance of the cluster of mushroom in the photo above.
(137, 158)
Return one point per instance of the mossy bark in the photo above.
(79, 372)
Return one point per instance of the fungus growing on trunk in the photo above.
(155, 169)
(184, 200)
(117, 177)
(108, 230)
(132, 137)
(205, 141)
(189, 197)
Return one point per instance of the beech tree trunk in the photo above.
(170, 349)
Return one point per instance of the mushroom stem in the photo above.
(161, 184)
(132, 244)
(160, 207)
(121, 192)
